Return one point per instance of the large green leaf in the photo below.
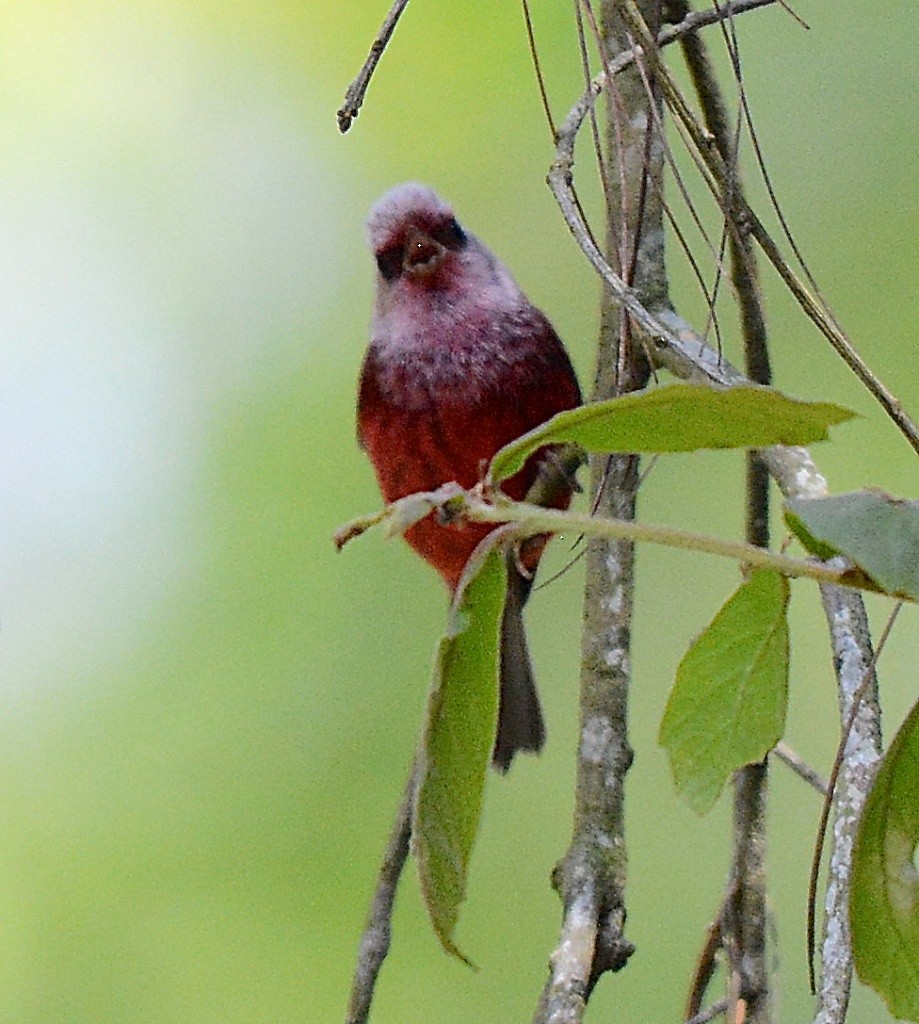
(678, 418)
(727, 707)
(880, 534)
(884, 901)
(459, 734)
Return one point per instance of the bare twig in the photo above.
(800, 767)
(375, 940)
(745, 914)
(356, 91)
(537, 67)
(743, 261)
(706, 964)
(560, 181)
(560, 175)
(585, 67)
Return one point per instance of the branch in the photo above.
(703, 142)
(560, 181)
(850, 641)
(745, 913)
(354, 97)
(591, 876)
(675, 345)
(853, 773)
(377, 931)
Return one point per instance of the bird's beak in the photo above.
(423, 255)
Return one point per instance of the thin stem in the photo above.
(531, 520)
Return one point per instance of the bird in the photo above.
(460, 363)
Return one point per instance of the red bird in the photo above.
(460, 363)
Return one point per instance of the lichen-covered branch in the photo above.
(854, 664)
(591, 876)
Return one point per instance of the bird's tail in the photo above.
(520, 724)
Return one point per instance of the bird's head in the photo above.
(414, 235)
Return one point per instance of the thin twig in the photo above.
(743, 263)
(797, 17)
(706, 964)
(713, 1011)
(560, 180)
(354, 97)
(531, 520)
(560, 175)
(537, 67)
(585, 67)
(800, 767)
(374, 943)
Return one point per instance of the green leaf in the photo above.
(678, 418)
(459, 734)
(880, 534)
(884, 901)
(727, 707)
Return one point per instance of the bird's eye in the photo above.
(390, 263)
(451, 235)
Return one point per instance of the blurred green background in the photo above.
(207, 714)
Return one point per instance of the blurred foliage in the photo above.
(207, 713)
